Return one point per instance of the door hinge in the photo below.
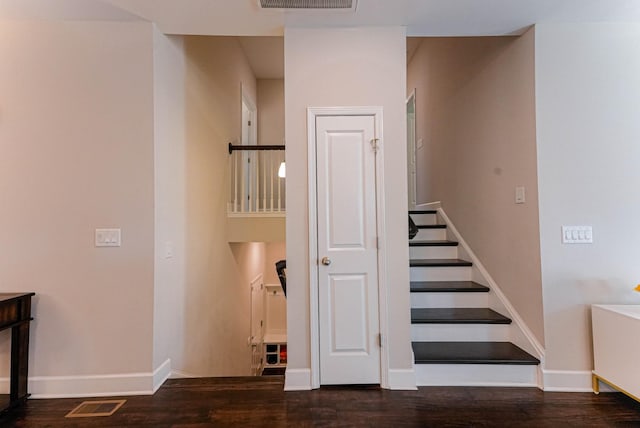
(374, 144)
(380, 340)
(249, 123)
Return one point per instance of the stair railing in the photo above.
(255, 189)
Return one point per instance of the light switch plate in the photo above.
(520, 199)
(577, 235)
(168, 250)
(108, 238)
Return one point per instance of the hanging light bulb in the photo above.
(282, 170)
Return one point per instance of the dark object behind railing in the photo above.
(281, 267)
(413, 229)
(233, 147)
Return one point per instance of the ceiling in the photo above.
(266, 54)
(245, 18)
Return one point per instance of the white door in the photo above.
(248, 179)
(257, 325)
(347, 250)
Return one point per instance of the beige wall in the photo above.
(346, 67)
(216, 311)
(76, 154)
(276, 305)
(270, 111)
(87, 109)
(275, 251)
(271, 130)
(587, 91)
(475, 110)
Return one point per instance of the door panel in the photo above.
(348, 322)
(345, 231)
(348, 285)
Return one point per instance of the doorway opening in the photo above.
(224, 297)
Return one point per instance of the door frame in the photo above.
(412, 177)
(250, 139)
(314, 320)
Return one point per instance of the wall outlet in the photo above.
(577, 235)
(108, 238)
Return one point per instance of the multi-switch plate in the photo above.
(577, 235)
(108, 238)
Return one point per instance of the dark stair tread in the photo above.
(457, 316)
(471, 353)
(435, 243)
(438, 263)
(447, 286)
(423, 212)
(432, 226)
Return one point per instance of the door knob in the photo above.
(326, 261)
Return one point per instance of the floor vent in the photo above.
(308, 4)
(90, 409)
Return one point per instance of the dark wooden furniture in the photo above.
(15, 313)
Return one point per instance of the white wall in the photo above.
(475, 113)
(76, 154)
(587, 91)
(170, 206)
(346, 67)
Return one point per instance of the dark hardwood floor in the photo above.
(261, 401)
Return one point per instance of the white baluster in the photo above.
(264, 180)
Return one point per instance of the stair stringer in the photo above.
(520, 334)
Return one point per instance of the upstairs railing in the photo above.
(255, 189)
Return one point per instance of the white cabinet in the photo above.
(275, 351)
(616, 347)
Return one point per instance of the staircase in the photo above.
(457, 339)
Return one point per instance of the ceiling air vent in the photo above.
(309, 4)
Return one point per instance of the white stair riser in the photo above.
(449, 300)
(423, 219)
(459, 332)
(454, 273)
(433, 252)
(476, 375)
(431, 235)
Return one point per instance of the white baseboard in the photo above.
(95, 385)
(402, 379)
(91, 386)
(570, 381)
(297, 380)
(429, 206)
(161, 374)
